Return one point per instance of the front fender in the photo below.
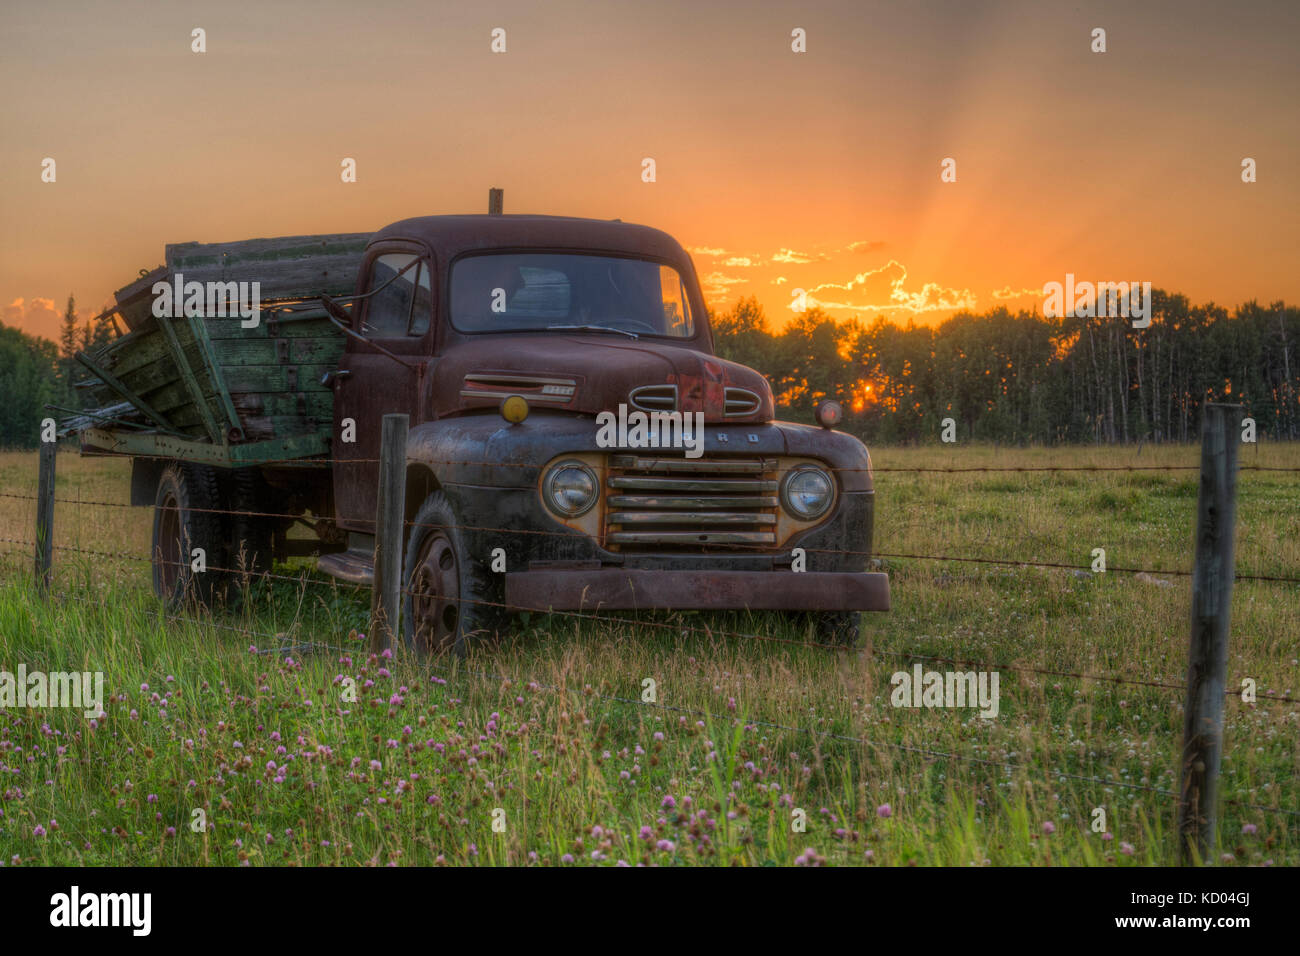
(487, 451)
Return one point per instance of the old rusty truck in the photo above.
(249, 386)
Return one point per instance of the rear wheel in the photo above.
(446, 599)
(187, 517)
(253, 522)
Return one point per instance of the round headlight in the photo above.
(807, 492)
(570, 488)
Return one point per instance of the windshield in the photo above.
(513, 292)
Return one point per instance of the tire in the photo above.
(252, 533)
(837, 627)
(187, 515)
(444, 587)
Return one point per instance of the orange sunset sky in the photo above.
(818, 170)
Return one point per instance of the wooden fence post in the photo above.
(45, 517)
(1207, 658)
(385, 601)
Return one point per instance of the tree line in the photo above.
(1001, 376)
(1023, 378)
(36, 373)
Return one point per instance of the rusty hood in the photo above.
(595, 373)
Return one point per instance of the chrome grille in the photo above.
(739, 401)
(654, 398)
(532, 387)
(663, 502)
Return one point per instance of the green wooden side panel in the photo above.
(232, 393)
(265, 379)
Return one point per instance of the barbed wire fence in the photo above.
(44, 549)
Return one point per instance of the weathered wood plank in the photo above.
(285, 266)
(1207, 656)
(135, 301)
(199, 330)
(296, 351)
(45, 517)
(276, 378)
(261, 427)
(189, 380)
(277, 249)
(386, 599)
(109, 379)
(133, 350)
(170, 397)
(317, 402)
(286, 450)
(224, 327)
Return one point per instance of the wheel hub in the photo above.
(435, 594)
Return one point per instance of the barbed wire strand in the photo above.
(333, 583)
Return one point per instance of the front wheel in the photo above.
(446, 602)
(838, 628)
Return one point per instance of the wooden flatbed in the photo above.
(208, 389)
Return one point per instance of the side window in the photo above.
(676, 306)
(399, 297)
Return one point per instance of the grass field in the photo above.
(548, 737)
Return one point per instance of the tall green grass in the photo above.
(247, 716)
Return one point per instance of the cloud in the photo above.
(1006, 292)
(796, 258)
(935, 298)
(813, 302)
(863, 245)
(733, 260)
(35, 316)
(716, 285)
(884, 289)
(882, 280)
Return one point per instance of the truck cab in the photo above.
(575, 444)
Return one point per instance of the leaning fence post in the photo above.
(389, 516)
(1207, 658)
(45, 517)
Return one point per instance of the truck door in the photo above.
(380, 373)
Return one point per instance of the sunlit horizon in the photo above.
(778, 170)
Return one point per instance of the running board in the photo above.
(355, 567)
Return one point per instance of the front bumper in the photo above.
(630, 589)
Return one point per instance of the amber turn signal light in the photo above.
(829, 414)
(514, 409)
